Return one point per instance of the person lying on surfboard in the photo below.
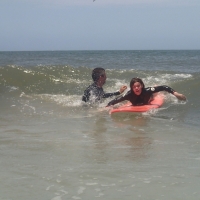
(139, 95)
(95, 92)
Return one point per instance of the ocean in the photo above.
(53, 146)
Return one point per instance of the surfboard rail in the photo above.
(157, 102)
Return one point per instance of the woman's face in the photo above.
(137, 88)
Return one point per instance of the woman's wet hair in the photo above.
(96, 73)
(134, 80)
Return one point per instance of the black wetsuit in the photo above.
(143, 98)
(95, 94)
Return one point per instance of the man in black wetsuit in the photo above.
(94, 92)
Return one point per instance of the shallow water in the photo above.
(54, 147)
(99, 157)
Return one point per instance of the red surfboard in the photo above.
(157, 101)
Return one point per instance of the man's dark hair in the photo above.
(96, 73)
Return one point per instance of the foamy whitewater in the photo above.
(53, 146)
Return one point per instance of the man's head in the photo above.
(99, 76)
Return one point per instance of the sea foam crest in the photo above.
(64, 100)
(175, 76)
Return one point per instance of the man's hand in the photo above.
(122, 89)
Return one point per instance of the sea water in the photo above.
(55, 147)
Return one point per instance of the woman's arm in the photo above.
(179, 96)
(168, 89)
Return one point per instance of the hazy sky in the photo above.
(99, 25)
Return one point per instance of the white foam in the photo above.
(81, 190)
(57, 198)
(13, 88)
(27, 71)
(71, 100)
(175, 76)
(48, 188)
(65, 192)
(90, 184)
(75, 197)
(164, 79)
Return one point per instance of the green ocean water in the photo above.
(55, 147)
